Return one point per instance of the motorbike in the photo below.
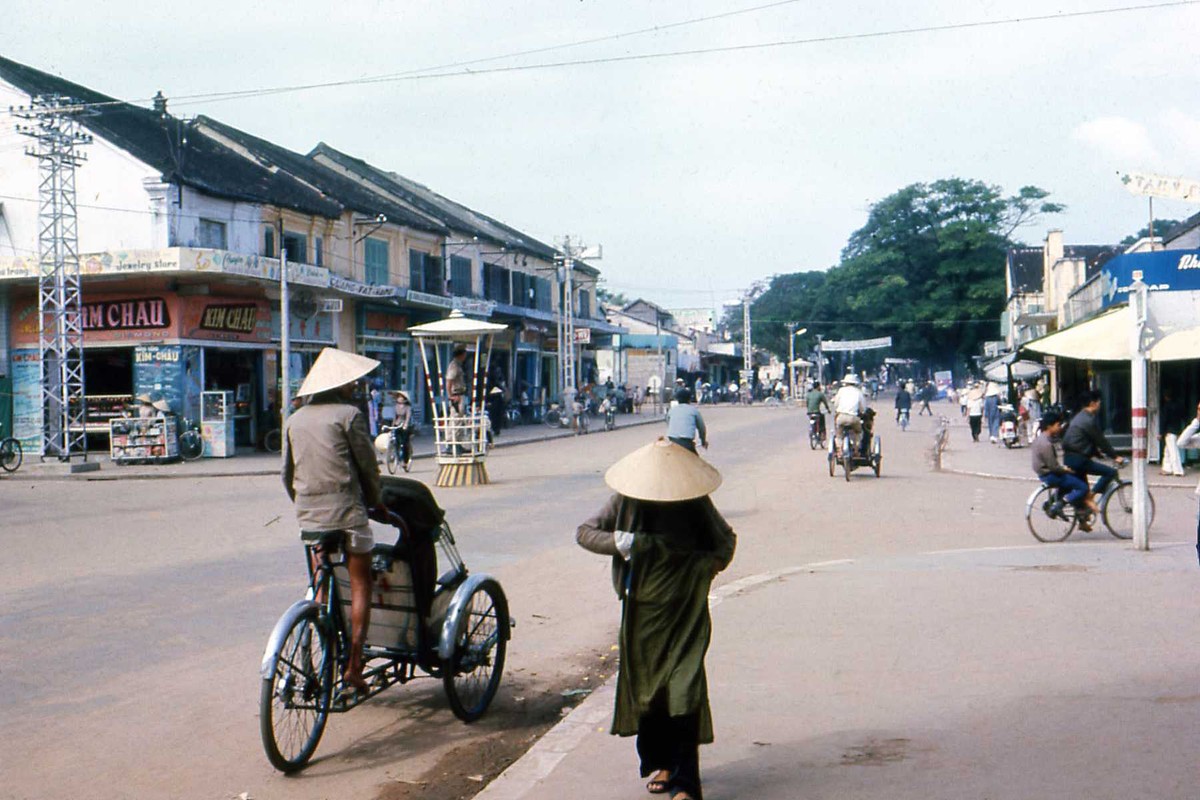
(1009, 427)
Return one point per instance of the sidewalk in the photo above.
(254, 462)
(987, 460)
(1003, 673)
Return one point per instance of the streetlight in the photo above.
(792, 334)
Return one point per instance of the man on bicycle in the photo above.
(903, 402)
(1084, 440)
(1047, 467)
(848, 404)
(684, 422)
(331, 473)
(816, 400)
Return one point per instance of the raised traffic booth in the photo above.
(459, 422)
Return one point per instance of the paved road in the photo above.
(134, 620)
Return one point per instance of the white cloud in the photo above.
(1119, 138)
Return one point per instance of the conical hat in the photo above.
(162, 405)
(334, 368)
(663, 472)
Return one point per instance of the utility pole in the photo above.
(1138, 299)
(285, 338)
(791, 357)
(56, 132)
(566, 326)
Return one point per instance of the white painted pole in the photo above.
(285, 326)
(791, 358)
(1137, 303)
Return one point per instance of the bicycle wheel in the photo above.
(11, 455)
(1117, 510)
(552, 418)
(273, 441)
(847, 456)
(480, 642)
(392, 458)
(294, 703)
(191, 445)
(1043, 526)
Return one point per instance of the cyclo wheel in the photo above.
(191, 445)
(480, 643)
(847, 456)
(393, 458)
(1117, 511)
(273, 441)
(876, 455)
(11, 455)
(294, 703)
(1044, 527)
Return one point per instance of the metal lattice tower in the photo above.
(53, 127)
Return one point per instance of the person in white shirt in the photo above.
(848, 403)
(1190, 438)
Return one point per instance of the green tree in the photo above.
(925, 269)
(1161, 226)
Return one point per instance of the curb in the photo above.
(1030, 479)
(116, 475)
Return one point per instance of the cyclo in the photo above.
(868, 453)
(428, 614)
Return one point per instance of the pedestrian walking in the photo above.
(926, 395)
(991, 411)
(1190, 439)
(975, 411)
(496, 408)
(662, 520)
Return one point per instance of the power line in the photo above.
(958, 26)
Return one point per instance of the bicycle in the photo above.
(399, 449)
(816, 431)
(273, 441)
(11, 454)
(191, 443)
(904, 419)
(1051, 519)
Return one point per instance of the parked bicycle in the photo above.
(191, 443)
(1051, 519)
(557, 417)
(11, 454)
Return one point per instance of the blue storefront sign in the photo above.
(1162, 271)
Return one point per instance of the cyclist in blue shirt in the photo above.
(684, 422)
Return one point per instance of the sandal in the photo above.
(660, 783)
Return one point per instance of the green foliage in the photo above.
(927, 269)
(1161, 226)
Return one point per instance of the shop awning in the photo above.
(1106, 338)
(1102, 338)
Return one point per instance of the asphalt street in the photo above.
(135, 613)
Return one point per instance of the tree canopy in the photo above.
(1161, 226)
(927, 269)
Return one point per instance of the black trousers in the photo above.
(690, 444)
(671, 743)
(976, 426)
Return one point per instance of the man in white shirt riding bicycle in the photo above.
(848, 404)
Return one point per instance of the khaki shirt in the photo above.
(329, 466)
(456, 382)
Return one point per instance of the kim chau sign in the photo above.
(126, 315)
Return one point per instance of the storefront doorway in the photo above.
(238, 371)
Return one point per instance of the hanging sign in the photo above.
(857, 344)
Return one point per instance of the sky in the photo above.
(697, 174)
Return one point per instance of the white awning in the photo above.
(1102, 338)
(1107, 338)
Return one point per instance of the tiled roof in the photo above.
(1025, 269)
(331, 183)
(1094, 256)
(451, 214)
(172, 147)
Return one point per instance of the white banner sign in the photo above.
(1150, 185)
(857, 344)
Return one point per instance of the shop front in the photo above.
(383, 335)
(158, 342)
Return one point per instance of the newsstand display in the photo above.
(152, 440)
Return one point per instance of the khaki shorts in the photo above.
(354, 540)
